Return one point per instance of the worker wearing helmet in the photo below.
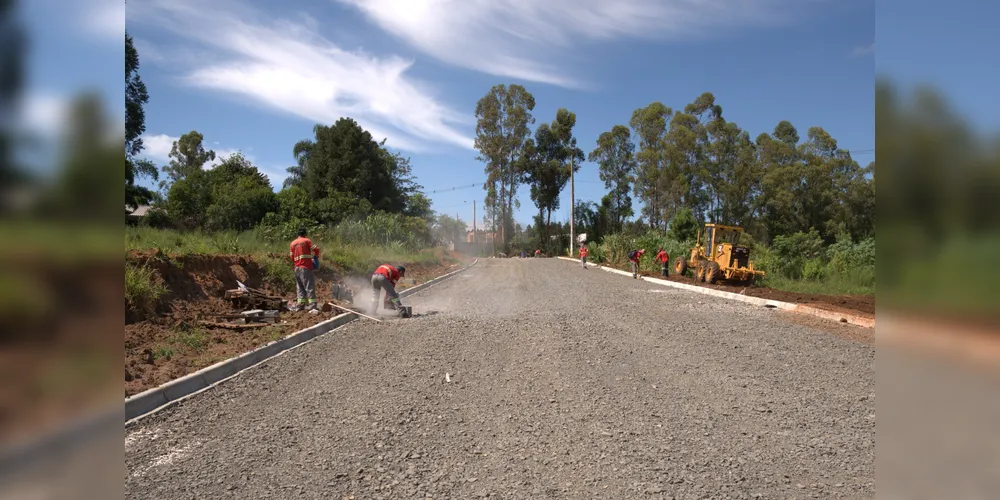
(386, 277)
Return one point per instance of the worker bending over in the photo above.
(664, 259)
(584, 252)
(634, 257)
(305, 258)
(386, 277)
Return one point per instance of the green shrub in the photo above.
(814, 270)
(156, 218)
(794, 250)
(683, 227)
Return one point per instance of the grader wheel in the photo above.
(712, 272)
(680, 266)
(700, 273)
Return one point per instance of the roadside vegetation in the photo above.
(808, 207)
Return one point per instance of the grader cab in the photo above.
(718, 256)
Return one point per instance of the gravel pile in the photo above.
(532, 378)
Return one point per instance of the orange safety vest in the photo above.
(301, 251)
(389, 272)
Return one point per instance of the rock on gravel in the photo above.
(564, 383)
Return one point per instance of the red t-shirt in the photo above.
(662, 257)
(584, 252)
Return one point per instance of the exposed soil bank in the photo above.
(173, 344)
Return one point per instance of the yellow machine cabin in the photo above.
(718, 256)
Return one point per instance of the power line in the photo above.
(456, 188)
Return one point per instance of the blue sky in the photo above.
(255, 76)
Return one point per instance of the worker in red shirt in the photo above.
(305, 255)
(386, 277)
(634, 257)
(538, 253)
(584, 252)
(664, 259)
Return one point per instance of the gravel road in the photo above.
(564, 383)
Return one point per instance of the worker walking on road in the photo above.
(664, 259)
(584, 252)
(305, 256)
(385, 278)
(634, 257)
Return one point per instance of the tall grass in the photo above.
(142, 289)
(336, 251)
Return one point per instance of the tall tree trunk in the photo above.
(548, 226)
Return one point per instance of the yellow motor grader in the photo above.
(718, 256)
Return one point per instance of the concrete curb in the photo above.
(757, 301)
(157, 398)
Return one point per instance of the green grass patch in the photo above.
(191, 339)
(272, 333)
(164, 352)
(142, 289)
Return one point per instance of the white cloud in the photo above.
(525, 38)
(46, 113)
(863, 51)
(105, 19)
(157, 148)
(288, 66)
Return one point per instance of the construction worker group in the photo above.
(305, 261)
(662, 258)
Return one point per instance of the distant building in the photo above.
(480, 236)
(134, 215)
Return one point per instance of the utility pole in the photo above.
(572, 207)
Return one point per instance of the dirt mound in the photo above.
(199, 277)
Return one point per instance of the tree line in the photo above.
(686, 166)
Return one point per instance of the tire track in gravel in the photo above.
(565, 383)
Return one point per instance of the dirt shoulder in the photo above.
(174, 343)
(859, 305)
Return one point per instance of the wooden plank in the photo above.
(232, 326)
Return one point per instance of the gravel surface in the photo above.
(564, 383)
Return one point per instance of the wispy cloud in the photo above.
(862, 51)
(524, 38)
(291, 67)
